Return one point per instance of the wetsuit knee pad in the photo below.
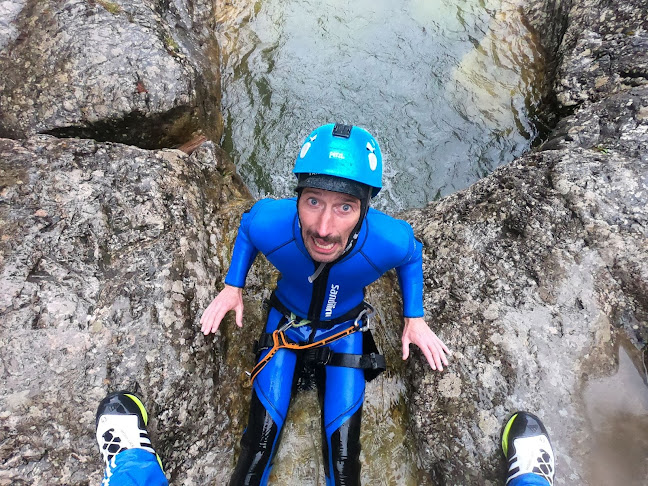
(258, 446)
(344, 455)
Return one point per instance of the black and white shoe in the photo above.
(526, 445)
(121, 424)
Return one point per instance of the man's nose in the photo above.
(325, 223)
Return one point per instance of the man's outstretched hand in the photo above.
(230, 298)
(418, 332)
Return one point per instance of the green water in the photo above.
(447, 87)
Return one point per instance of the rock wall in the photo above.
(142, 73)
(106, 263)
(534, 273)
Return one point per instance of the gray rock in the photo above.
(104, 270)
(530, 274)
(9, 10)
(537, 272)
(134, 72)
(604, 51)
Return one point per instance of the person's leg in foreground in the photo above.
(530, 457)
(124, 443)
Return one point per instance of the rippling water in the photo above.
(446, 87)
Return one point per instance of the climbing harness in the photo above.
(274, 301)
(316, 353)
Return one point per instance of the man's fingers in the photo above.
(442, 350)
(438, 361)
(445, 348)
(405, 349)
(239, 316)
(213, 319)
(436, 357)
(206, 318)
(430, 358)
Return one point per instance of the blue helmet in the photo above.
(341, 158)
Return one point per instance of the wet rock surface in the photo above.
(109, 253)
(142, 73)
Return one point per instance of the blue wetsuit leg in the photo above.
(341, 395)
(134, 467)
(529, 479)
(270, 400)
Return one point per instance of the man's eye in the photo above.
(312, 201)
(346, 208)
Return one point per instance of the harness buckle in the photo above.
(373, 361)
(318, 356)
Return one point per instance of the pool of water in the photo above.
(616, 408)
(447, 87)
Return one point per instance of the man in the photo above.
(328, 245)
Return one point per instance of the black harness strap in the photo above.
(373, 362)
(324, 356)
(274, 301)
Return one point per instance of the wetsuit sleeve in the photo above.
(244, 252)
(410, 278)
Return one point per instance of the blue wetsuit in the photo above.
(272, 227)
(134, 467)
(529, 479)
(137, 467)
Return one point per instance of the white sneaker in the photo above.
(526, 445)
(121, 424)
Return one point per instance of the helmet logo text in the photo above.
(336, 155)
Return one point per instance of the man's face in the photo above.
(327, 220)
